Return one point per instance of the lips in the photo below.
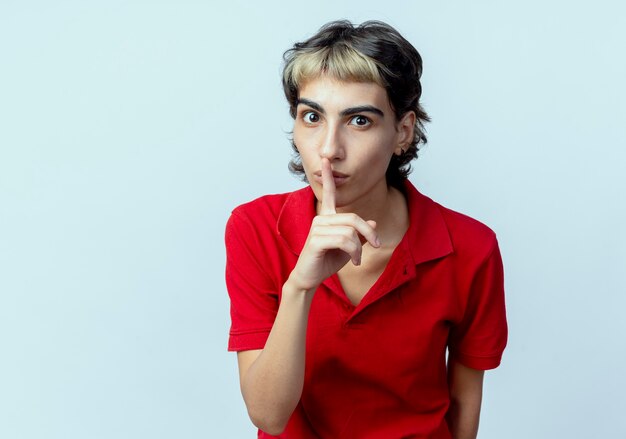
(336, 174)
(339, 177)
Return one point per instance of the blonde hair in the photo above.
(340, 62)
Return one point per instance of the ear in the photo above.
(405, 128)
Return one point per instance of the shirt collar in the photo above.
(428, 237)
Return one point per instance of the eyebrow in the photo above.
(347, 112)
(314, 105)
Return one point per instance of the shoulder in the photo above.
(465, 228)
(263, 211)
(473, 241)
(466, 234)
(264, 206)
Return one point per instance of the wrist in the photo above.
(293, 287)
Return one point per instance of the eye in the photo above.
(310, 117)
(360, 121)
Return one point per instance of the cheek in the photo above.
(305, 140)
(388, 139)
(297, 138)
(388, 144)
(377, 148)
(305, 150)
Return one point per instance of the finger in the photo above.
(349, 245)
(328, 189)
(363, 239)
(366, 229)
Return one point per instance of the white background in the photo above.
(129, 130)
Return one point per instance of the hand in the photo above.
(334, 239)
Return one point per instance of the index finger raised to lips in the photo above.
(328, 189)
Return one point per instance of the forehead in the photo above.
(336, 94)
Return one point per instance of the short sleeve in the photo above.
(253, 294)
(478, 341)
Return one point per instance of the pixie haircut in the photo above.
(371, 52)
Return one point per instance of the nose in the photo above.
(332, 144)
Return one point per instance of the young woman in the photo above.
(347, 294)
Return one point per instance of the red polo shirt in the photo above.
(378, 369)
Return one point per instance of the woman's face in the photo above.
(353, 125)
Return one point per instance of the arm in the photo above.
(476, 344)
(272, 378)
(466, 390)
